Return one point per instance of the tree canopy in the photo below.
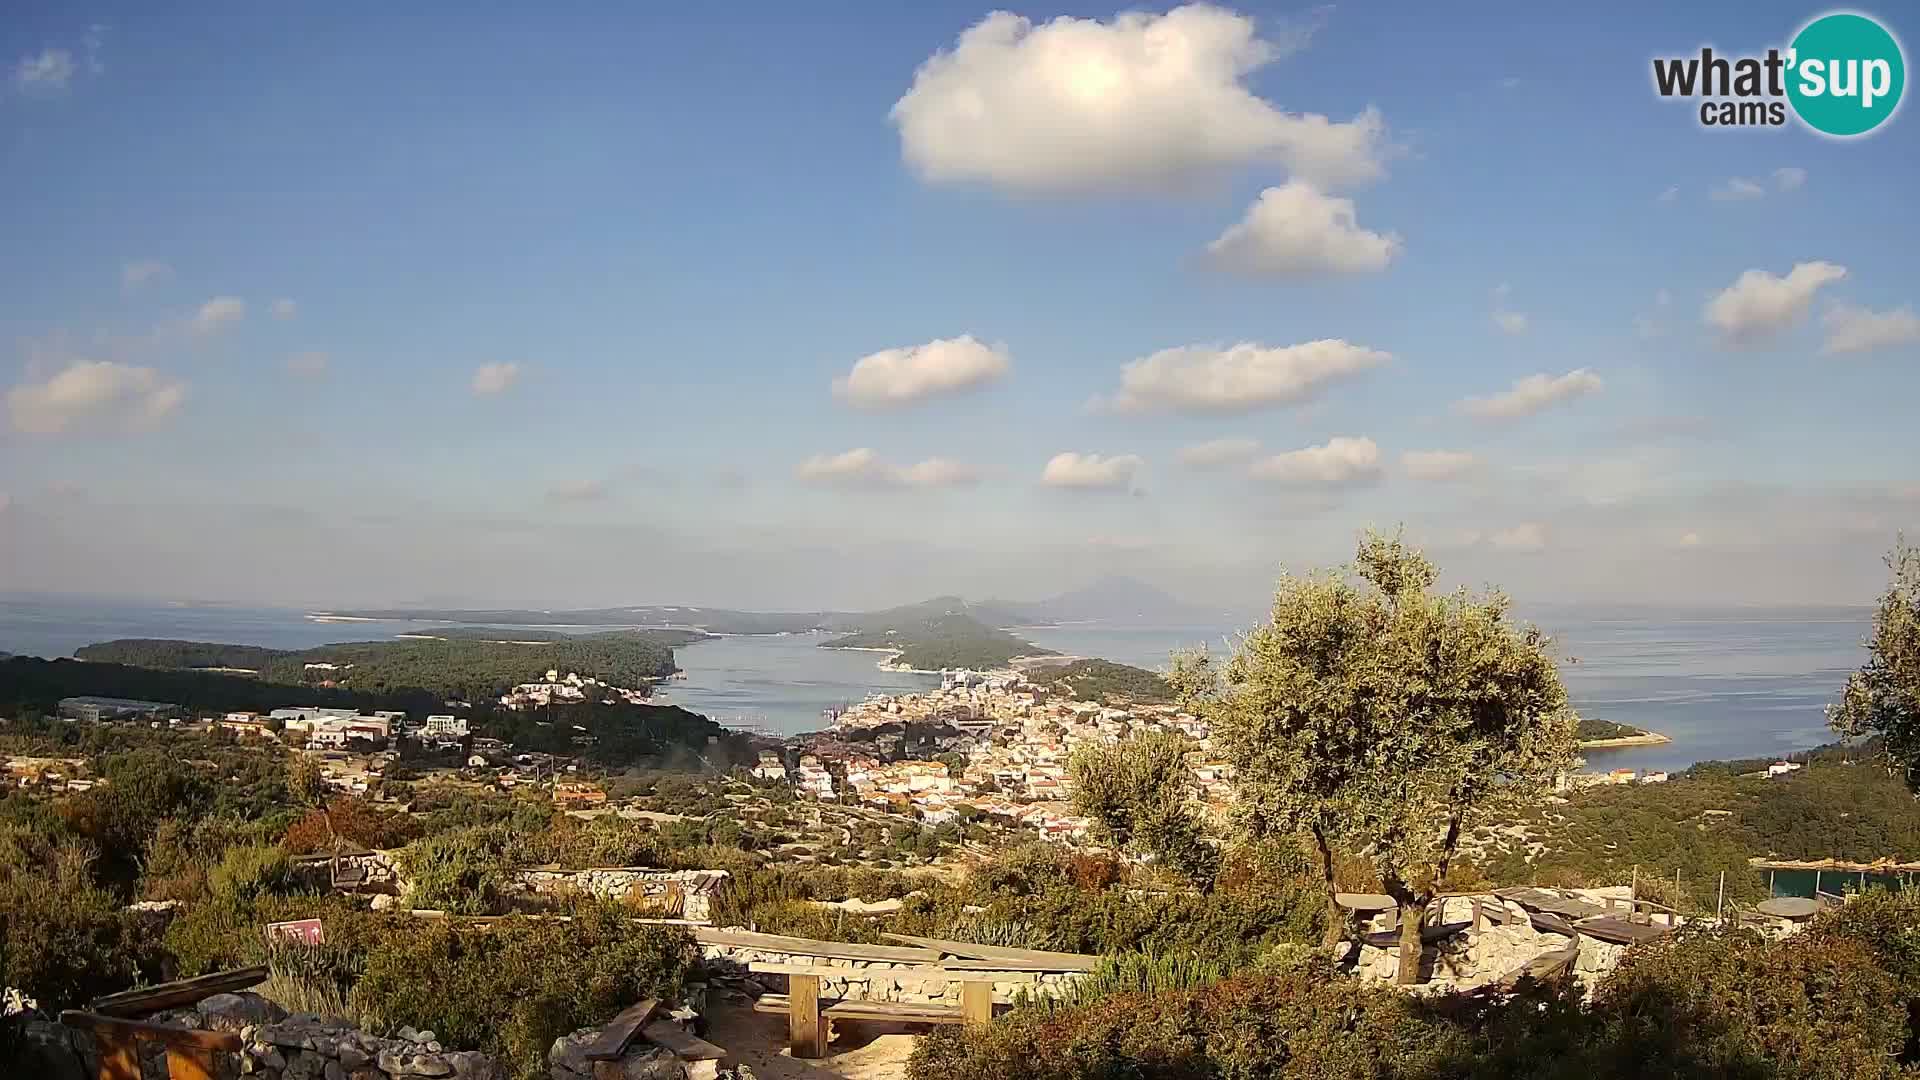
(1137, 792)
(1883, 697)
(1379, 717)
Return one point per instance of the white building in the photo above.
(1782, 768)
(453, 727)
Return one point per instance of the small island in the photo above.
(1607, 735)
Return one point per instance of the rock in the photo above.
(332, 1071)
(423, 1036)
(567, 1057)
(237, 1012)
(352, 1057)
(49, 1049)
(381, 901)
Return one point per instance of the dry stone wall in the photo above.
(695, 888)
(867, 980)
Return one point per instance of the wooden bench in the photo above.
(806, 1033)
(637, 1021)
(190, 1053)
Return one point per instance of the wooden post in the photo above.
(119, 1056)
(976, 1001)
(189, 1063)
(1720, 903)
(804, 1031)
(1633, 890)
(1479, 916)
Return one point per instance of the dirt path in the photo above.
(863, 1051)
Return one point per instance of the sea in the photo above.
(1721, 683)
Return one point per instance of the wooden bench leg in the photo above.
(976, 1002)
(119, 1057)
(187, 1063)
(805, 1032)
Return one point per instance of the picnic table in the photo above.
(1791, 908)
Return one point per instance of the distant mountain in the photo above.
(1110, 599)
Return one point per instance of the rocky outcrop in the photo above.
(276, 1045)
(567, 1059)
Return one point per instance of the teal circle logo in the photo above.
(1845, 74)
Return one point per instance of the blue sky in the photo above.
(679, 229)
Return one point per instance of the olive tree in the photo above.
(1378, 717)
(1883, 697)
(1138, 793)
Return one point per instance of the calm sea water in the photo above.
(1722, 684)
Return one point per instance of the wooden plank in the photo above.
(835, 971)
(895, 1012)
(177, 994)
(1045, 967)
(685, 1044)
(188, 1064)
(968, 950)
(619, 1032)
(838, 950)
(976, 1002)
(1620, 931)
(771, 1003)
(806, 1034)
(119, 1056)
(113, 1027)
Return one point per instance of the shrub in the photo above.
(63, 940)
(249, 872)
(463, 872)
(512, 988)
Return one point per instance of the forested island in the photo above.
(465, 669)
(950, 639)
(1104, 680)
(1605, 734)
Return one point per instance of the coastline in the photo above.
(1650, 738)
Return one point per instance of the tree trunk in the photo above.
(1413, 913)
(1336, 915)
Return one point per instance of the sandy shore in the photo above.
(1651, 738)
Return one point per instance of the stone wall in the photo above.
(868, 980)
(302, 1046)
(694, 887)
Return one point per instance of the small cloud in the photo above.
(1296, 232)
(142, 271)
(1339, 462)
(216, 315)
(1690, 539)
(1527, 536)
(1510, 82)
(1091, 472)
(863, 467)
(1237, 378)
(1670, 195)
(494, 378)
(894, 377)
(1510, 322)
(94, 40)
(308, 365)
(1758, 306)
(98, 393)
(48, 71)
(1532, 394)
(1789, 179)
(284, 308)
(1208, 455)
(577, 491)
(1738, 189)
(1438, 464)
(1858, 329)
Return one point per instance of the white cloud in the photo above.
(939, 473)
(285, 308)
(309, 365)
(1143, 102)
(1690, 539)
(1532, 394)
(494, 378)
(1526, 536)
(97, 393)
(1509, 321)
(1737, 189)
(216, 314)
(577, 491)
(46, 72)
(1671, 194)
(1295, 231)
(863, 467)
(1339, 462)
(902, 376)
(1091, 471)
(140, 272)
(1209, 378)
(1758, 305)
(1218, 452)
(1858, 329)
(1789, 179)
(1438, 464)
